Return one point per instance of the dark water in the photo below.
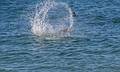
(93, 47)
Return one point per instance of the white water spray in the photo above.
(52, 19)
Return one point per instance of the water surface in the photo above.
(94, 46)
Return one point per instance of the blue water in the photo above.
(94, 46)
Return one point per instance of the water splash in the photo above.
(52, 19)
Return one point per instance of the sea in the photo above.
(92, 46)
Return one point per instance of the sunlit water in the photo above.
(93, 45)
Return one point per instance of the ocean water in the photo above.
(94, 45)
